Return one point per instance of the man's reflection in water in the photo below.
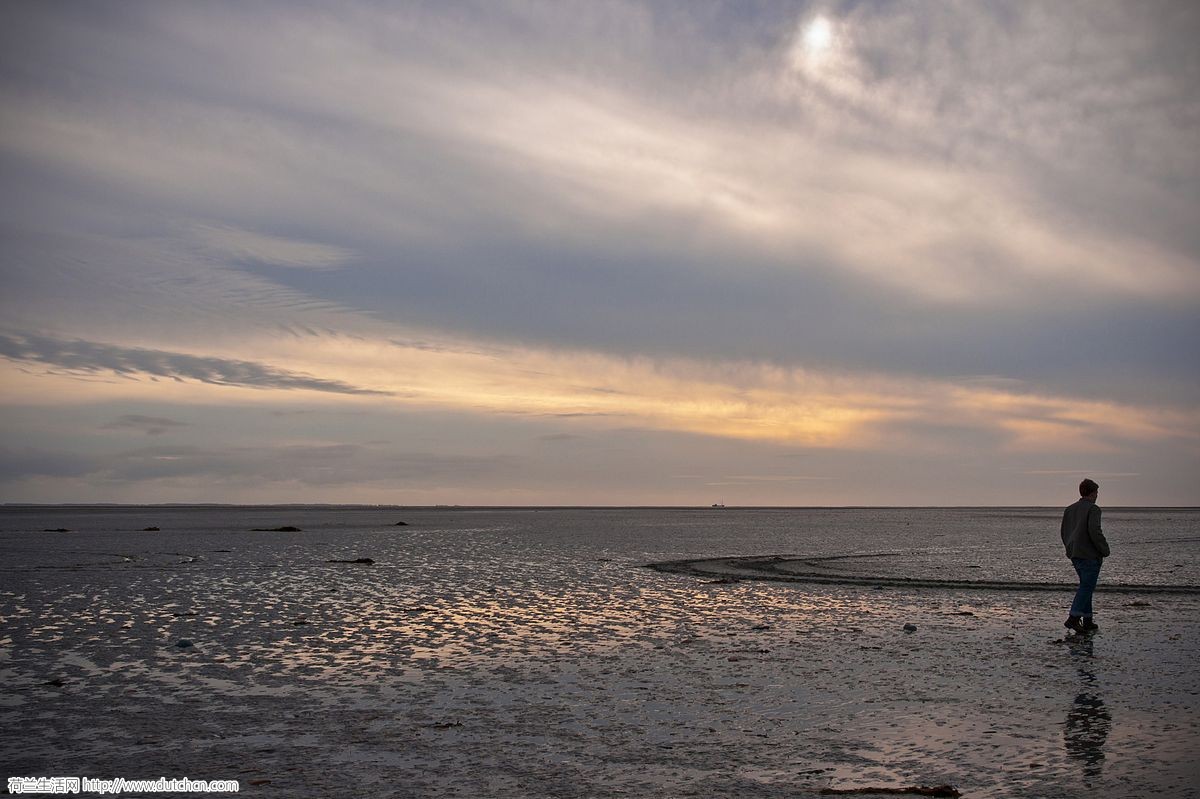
(1088, 720)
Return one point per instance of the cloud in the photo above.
(567, 155)
(314, 465)
(673, 217)
(224, 241)
(559, 437)
(150, 425)
(775, 478)
(720, 205)
(31, 462)
(745, 400)
(319, 465)
(102, 285)
(92, 357)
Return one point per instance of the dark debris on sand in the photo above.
(915, 790)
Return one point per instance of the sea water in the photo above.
(1150, 544)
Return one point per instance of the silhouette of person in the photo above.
(1087, 549)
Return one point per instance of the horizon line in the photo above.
(549, 507)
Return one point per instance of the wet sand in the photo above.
(473, 666)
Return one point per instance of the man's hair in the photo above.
(1088, 486)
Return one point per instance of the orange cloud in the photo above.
(748, 401)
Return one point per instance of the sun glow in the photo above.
(816, 45)
(818, 36)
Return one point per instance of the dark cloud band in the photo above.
(151, 425)
(93, 357)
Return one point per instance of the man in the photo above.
(1087, 549)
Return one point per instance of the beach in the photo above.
(531, 652)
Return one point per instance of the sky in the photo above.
(600, 252)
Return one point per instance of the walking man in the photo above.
(1087, 549)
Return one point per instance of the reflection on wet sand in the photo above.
(1088, 720)
(1087, 728)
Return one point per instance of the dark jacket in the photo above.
(1081, 531)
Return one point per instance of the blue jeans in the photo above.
(1089, 572)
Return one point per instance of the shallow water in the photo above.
(528, 652)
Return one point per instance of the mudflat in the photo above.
(531, 653)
